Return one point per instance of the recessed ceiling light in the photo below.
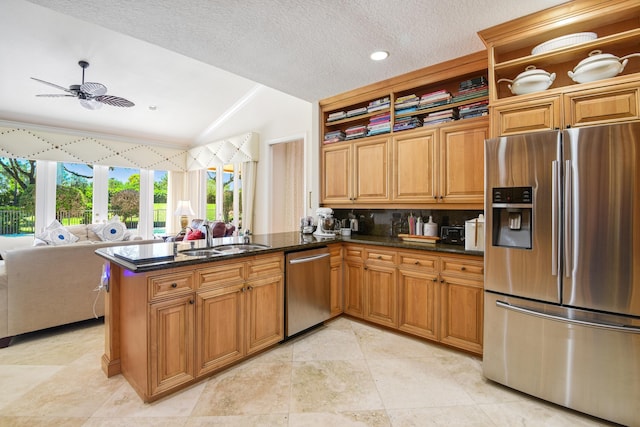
(153, 107)
(379, 55)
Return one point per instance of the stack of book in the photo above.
(410, 122)
(475, 109)
(338, 115)
(334, 136)
(380, 123)
(472, 88)
(354, 132)
(434, 99)
(379, 104)
(405, 104)
(357, 112)
(441, 116)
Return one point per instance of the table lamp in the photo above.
(184, 209)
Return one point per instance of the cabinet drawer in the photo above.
(418, 260)
(265, 266)
(528, 116)
(380, 256)
(353, 252)
(589, 108)
(170, 284)
(463, 267)
(221, 275)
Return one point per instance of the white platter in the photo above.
(563, 41)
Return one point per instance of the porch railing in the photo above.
(23, 222)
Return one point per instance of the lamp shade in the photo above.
(184, 208)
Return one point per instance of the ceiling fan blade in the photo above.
(95, 89)
(56, 95)
(52, 85)
(116, 101)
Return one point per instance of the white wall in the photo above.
(275, 116)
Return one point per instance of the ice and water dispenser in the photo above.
(512, 217)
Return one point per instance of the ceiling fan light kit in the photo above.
(91, 95)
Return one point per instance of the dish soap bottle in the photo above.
(431, 228)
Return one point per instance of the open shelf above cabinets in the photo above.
(447, 92)
(616, 24)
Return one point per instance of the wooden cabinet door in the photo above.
(381, 294)
(371, 174)
(419, 302)
(528, 116)
(220, 326)
(265, 312)
(353, 296)
(171, 325)
(462, 313)
(337, 173)
(462, 162)
(414, 176)
(602, 105)
(336, 279)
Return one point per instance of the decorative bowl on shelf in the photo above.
(598, 66)
(563, 41)
(529, 81)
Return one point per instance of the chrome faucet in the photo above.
(247, 237)
(208, 235)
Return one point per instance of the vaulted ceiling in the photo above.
(201, 62)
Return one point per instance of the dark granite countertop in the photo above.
(159, 256)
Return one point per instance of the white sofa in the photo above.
(47, 286)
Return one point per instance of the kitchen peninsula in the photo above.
(177, 312)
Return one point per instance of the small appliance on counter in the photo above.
(326, 223)
(474, 234)
(452, 234)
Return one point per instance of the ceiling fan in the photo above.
(91, 95)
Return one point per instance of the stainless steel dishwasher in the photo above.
(308, 289)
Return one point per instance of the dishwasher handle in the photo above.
(308, 258)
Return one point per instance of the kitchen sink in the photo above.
(201, 252)
(232, 248)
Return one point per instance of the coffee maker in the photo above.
(326, 223)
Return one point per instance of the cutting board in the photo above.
(430, 240)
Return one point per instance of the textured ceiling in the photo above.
(199, 58)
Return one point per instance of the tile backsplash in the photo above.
(391, 222)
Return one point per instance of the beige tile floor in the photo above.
(346, 373)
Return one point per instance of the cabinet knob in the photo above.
(441, 197)
(463, 268)
(441, 280)
(191, 301)
(379, 256)
(174, 285)
(417, 263)
(249, 288)
(435, 279)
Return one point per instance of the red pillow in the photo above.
(194, 235)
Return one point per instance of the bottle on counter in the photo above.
(431, 228)
(419, 226)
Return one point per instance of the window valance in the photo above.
(31, 144)
(237, 149)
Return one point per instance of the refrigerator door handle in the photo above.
(555, 166)
(523, 310)
(568, 202)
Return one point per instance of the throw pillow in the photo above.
(112, 231)
(194, 235)
(56, 234)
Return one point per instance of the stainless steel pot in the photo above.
(598, 66)
(529, 81)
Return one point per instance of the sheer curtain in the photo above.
(248, 172)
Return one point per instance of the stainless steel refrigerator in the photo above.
(562, 267)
